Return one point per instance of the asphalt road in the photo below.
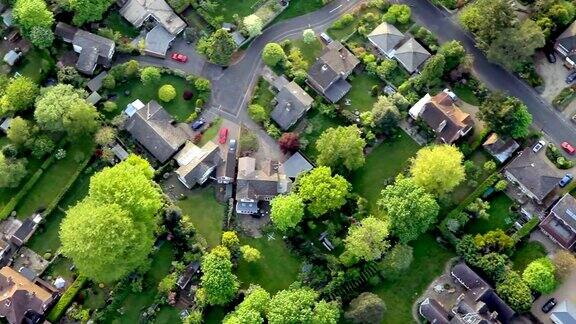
(546, 118)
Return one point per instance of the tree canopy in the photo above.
(219, 284)
(367, 308)
(88, 10)
(253, 25)
(273, 54)
(367, 240)
(341, 146)
(287, 211)
(540, 275)
(218, 48)
(300, 306)
(505, 115)
(19, 94)
(438, 169)
(12, 171)
(32, 13)
(321, 191)
(515, 292)
(396, 261)
(251, 309)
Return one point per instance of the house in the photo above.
(255, 185)
(139, 11)
(411, 55)
(92, 49)
(153, 127)
(536, 177)
(565, 45)
(385, 38)
(560, 224)
(443, 116)
(158, 41)
(25, 231)
(12, 57)
(197, 163)
(296, 165)
(479, 301)
(329, 72)
(23, 300)
(501, 149)
(292, 102)
(434, 312)
(564, 313)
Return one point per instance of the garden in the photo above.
(206, 214)
(362, 96)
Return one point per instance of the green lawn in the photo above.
(36, 64)
(7, 193)
(211, 132)
(479, 157)
(179, 108)
(298, 8)
(168, 314)
(464, 92)
(526, 254)
(342, 33)
(55, 178)
(382, 165)
(360, 95)
(206, 213)
(309, 51)
(500, 216)
(60, 268)
(317, 124)
(276, 270)
(429, 261)
(117, 23)
(228, 8)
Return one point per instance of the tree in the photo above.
(273, 54)
(218, 282)
(494, 265)
(408, 207)
(21, 132)
(168, 283)
(397, 13)
(308, 36)
(289, 142)
(505, 115)
(251, 309)
(253, 25)
(41, 146)
(287, 211)
(341, 146)
(385, 115)
(150, 74)
(326, 312)
(433, 71)
(41, 37)
(366, 240)
(515, 46)
(19, 94)
(69, 75)
(12, 171)
(486, 19)
(539, 275)
(167, 93)
(367, 308)
(493, 241)
(489, 166)
(218, 48)
(454, 54)
(564, 262)
(258, 113)
(230, 241)
(81, 119)
(515, 292)
(396, 261)
(321, 191)
(299, 306)
(32, 13)
(438, 169)
(105, 136)
(88, 10)
(249, 253)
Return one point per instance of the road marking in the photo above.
(331, 11)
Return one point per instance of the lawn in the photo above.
(500, 216)
(206, 213)
(317, 124)
(7, 193)
(276, 270)
(360, 95)
(168, 314)
(60, 268)
(382, 165)
(179, 108)
(36, 64)
(479, 157)
(309, 51)
(211, 131)
(526, 254)
(464, 92)
(117, 23)
(298, 8)
(342, 34)
(243, 8)
(46, 237)
(55, 178)
(399, 295)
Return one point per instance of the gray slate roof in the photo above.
(561, 222)
(255, 184)
(565, 209)
(567, 40)
(154, 128)
(158, 41)
(433, 312)
(499, 148)
(411, 55)
(202, 161)
(292, 103)
(296, 164)
(385, 37)
(564, 313)
(96, 82)
(137, 11)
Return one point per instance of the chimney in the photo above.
(324, 67)
(288, 105)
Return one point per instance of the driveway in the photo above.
(553, 75)
(566, 291)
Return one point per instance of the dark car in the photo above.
(571, 77)
(551, 56)
(547, 307)
(198, 124)
(566, 179)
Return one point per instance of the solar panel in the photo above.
(571, 213)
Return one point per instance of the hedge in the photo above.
(526, 229)
(66, 299)
(11, 205)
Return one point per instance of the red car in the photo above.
(179, 57)
(223, 135)
(568, 148)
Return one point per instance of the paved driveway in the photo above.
(565, 292)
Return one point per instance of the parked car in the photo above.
(538, 146)
(568, 148)
(551, 56)
(549, 305)
(571, 77)
(222, 135)
(198, 124)
(574, 119)
(179, 57)
(232, 145)
(566, 179)
(327, 39)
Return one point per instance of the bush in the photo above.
(167, 93)
(11, 205)
(526, 229)
(66, 299)
(187, 95)
(343, 21)
(110, 106)
(554, 154)
(258, 113)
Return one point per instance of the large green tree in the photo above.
(454, 54)
(515, 291)
(396, 261)
(515, 46)
(287, 211)
(433, 71)
(321, 191)
(409, 208)
(218, 48)
(367, 308)
(539, 275)
(219, 284)
(21, 131)
(366, 240)
(300, 306)
(273, 54)
(506, 115)
(12, 171)
(438, 168)
(88, 10)
(32, 13)
(385, 116)
(486, 19)
(251, 309)
(19, 94)
(341, 146)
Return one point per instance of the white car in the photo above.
(538, 146)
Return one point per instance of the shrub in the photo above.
(167, 93)
(343, 21)
(187, 95)
(199, 102)
(554, 154)
(258, 113)
(110, 106)
(66, 299)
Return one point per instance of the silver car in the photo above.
(538, 146)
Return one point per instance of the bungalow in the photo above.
(565, 45)
(197, 164)
(328, 74)
(154, 128)
(92, 49)
(536, 177)
(560, 224)
(292, 102)
(500, 149)
(386, 38)
(443, 116)
(411, 55)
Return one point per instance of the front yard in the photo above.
(309, 51)
(206, 213)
